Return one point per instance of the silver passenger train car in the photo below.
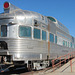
(31, 38)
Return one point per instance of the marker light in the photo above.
(6, 5)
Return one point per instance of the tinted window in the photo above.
(55, 39)
(3, 31)
(71, 44)
(51, 37)
(68, 44)
(52, 19)
(24, 31)
(43, 35)
(36, 33)
(63, 43)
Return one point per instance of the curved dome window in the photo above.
(52, 19)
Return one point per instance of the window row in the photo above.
(62, 27)
(61, 34)
(65, 43)
(25, 31)
(68, 44)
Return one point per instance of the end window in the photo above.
(3, 31)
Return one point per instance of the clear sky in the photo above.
(62, 10)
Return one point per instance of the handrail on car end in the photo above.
(69, 55)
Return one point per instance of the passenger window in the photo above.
(3, 31)
(55, 39)
(43, 35)
(51, 37)
(63, 43)
(71, 44)
(36, 33)
(68, 44)
(24, 31)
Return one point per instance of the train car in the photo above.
(29, 38)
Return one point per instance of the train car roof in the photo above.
(11, 10)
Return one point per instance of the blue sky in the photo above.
(62, 10)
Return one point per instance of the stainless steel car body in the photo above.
(26, 49)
